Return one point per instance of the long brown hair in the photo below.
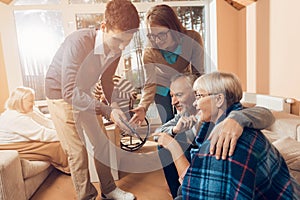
(164, 15)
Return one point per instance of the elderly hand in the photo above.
(224, 137)
(184, 123)
(167, 141)
(139, 115)
(164, 139)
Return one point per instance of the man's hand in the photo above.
(224, 137)
(139, 115)
(115, 116)
(184, 123)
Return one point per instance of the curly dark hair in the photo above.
(121, 14)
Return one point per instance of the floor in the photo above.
(145, 186)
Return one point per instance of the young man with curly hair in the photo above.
(83, 57)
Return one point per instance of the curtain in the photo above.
(39, 33)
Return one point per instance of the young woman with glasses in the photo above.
(172, 49)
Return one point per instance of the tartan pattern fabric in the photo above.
(255, 171)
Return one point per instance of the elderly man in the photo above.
(255, 171)
(182, 127)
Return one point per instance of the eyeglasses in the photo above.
(200, 96)
(161, 36)
(133, 145)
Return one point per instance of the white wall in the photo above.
(10, 48)
(273, 54)
(285, 48)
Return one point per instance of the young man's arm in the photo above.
(226, 134)
(255, 117)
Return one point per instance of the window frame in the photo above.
(69, 12)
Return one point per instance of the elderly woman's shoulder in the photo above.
(11, 116)
(254, 135)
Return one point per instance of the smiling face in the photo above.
(206, 106)
(162, 37)
(182, 95)
(215, 92)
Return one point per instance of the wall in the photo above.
(260, 44)
(284, 48)
(278, 41)
(231, 43)
(3, 80)
(10, 47)
(277, 48)
(227, 27)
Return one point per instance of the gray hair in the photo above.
(190, 78)
(221, 82)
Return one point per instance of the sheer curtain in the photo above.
(39, 33)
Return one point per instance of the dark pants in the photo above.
(169, 167)
(179, 194)
(164, 107)
(170, 170)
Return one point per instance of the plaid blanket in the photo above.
(255, 171)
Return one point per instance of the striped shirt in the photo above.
(255, 171)
(121, 93)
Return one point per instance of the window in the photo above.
(192, 17)
(42, 27)
(35, 2)
(39, 33)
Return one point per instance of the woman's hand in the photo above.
(139, 115)
(167, 141)
(224, 137)
(164, 139)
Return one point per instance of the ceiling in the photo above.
(237, 4)
(6, 1)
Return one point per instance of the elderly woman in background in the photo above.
(256, 170)
(28, 132)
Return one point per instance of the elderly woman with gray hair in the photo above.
(24, 129)
(256, 170)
